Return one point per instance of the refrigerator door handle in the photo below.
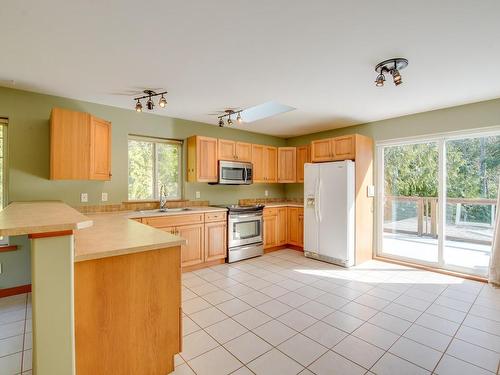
(318, 200)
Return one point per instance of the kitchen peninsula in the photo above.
(106, 290)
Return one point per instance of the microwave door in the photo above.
(233, 175)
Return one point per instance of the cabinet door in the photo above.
(227, 149)
(287, 164)
(303, 156)
(321, 150)
(344, 147)
(270, 164)
(206, 159)
(243, 151)
(100, 149)
(258, 163)
(192, 252)
(301, 227)
(270, 234)
(293, 222)
(282, 226)
(215, 241)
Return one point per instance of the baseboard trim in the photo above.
(282, 247)
(7, 292)
(432, 269)
(203, 265)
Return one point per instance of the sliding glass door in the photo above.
(437, 200)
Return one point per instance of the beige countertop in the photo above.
(115, 234)
(283, 204)
(190, 210)
(21, 218)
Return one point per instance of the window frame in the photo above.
(4, 122)
(155, 141)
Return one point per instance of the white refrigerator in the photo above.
(329, 212)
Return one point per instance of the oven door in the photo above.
(244, 229)
(232, 173)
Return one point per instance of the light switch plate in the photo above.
(266, 193)
(198, 195)
(84, 197)
(104, 197)
(370, 190)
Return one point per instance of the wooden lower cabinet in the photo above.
(192, 252)
(205, 235)
(282, 226)
(270, 231)
(128, 313)
(215, 241)
(295, 223)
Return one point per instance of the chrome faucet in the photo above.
(163, 199)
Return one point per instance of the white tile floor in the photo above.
(286, 314)
(15, 335)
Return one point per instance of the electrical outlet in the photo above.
(198, 195)
(266, 193)
(370, 191)
(84, 197)
(104, 197)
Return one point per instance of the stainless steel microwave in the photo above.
(235, 173)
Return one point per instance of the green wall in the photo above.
(28, 161)
(464, 117)
(28, 156)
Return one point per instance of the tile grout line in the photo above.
(373, 284)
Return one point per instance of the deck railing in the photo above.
(427, 215)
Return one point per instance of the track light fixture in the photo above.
(228, 114)
(150, 94)
(391, 66)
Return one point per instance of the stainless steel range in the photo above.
(244, 232)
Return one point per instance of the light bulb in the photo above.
(138, 106)
(238, 118)
(396, 77)
(221, 122)
(163, 102)
(379, 82)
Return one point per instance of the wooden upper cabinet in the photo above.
(258, 163)
(330, 149)
(80, 146)
(303, 156)
(100, 149)
(202, 159)
(321, 150)
(270, 164)
(287, 164)
(237, 151)
(344, 147)
(244, 151)
(227, 149)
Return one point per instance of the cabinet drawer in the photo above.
(215, 216)
(175, 220)
(270, 211)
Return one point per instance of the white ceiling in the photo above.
(316, 56)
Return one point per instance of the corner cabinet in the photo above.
(202, 159)
(80, 146)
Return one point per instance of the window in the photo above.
(437, 199)
(3, 162)
(3, 170)
(154, 162)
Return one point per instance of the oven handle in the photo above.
(255, 216)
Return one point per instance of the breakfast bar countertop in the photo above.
(116, 234)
